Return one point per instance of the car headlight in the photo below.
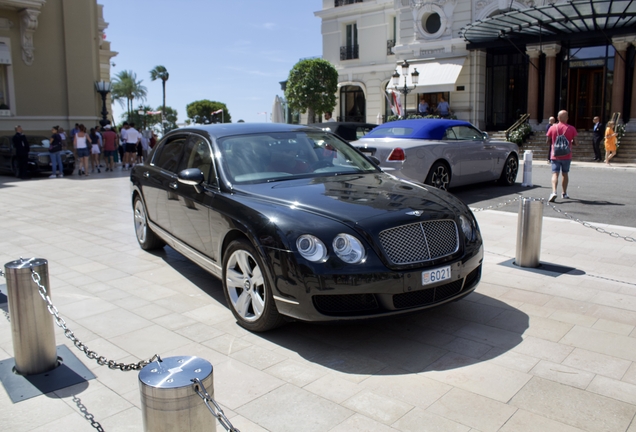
(467, 228)
(311, 248)
(349, 249)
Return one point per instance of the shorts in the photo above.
(130, 148)
(95, 149)
(109, 153)
(561, 165)
(82, 152)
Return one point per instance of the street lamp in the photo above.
(142, 113)
(103, 88)
(415, 76)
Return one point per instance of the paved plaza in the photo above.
(536, 350)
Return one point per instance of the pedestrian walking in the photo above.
(81, 144)
(21, 145)
(561, 138)
(95, 151)
(610, 142)
(110, 147)
(551, 122)
(597, 138)
(55, 152)
(132, 139)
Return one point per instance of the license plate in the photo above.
(436, 275)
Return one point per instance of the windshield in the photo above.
(38, 141)
(259, 158)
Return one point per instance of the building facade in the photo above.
(493, 60)
(51, 54)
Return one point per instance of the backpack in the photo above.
(561, 145)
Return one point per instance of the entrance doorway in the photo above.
(585, 96)
(352, 104)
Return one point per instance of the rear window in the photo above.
(390, 132)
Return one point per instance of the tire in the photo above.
(509, 172)
(247, 289)
(147, 239)
(439, 176)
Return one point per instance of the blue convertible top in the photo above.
(432, 129)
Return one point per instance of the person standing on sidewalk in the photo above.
(597, 138)
(21, 145)
(551, 122)
(55, 152)
(561, 163)
(110, 147)
(610, 142)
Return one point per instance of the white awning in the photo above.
(5, 54)
(439, 75)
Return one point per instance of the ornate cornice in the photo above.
(28, 25)
(22, 4)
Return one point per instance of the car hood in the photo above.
(355, 198)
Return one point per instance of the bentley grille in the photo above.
(421, 241)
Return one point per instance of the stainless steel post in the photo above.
(31, 323)
(527, 168)
(529, 225)
(168, 399)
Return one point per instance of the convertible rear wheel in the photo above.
(510, 170)
(247, 289)
(438, 176)
(147, 239)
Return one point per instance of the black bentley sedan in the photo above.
(39, 158)
(299, 224)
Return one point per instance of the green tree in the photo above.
(160, 72)
(201, 111)
(312, 87)
(153, 121)
(126, 89)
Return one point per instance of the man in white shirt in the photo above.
(132, 138)
(328, 117)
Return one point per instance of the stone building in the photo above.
(52, 52)
(493, 60)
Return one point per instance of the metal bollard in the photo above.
(31, 322)
(168, 399)
(527, 168)
(529, 225)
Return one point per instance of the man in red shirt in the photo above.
(109, 139)
(561, 163)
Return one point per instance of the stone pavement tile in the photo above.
(524, 421)
(210, 314)
(72, 422)
(615, 314)
(551, 351)
(290, 409)
(145, 342)
(614, 389)
(198, 332)
(483, 378)
(510, 359)
(474, 312)
(130, 303)
(331, 386)
(173, 321)
(242, 424)
(89, 267)
(490, 290)
(257, 357)
(573, 318)
(227, 344)
(95, 288)
(417, 390)
(597, 363)
(129, 283)
(544, 328)
(613, 327)
(114, 294)
(359, 423)
(180, 303)
(525, 296)
(347, 364)
(344, 336)
(475, 411)
(62, 295)
(534, 310)
(578, 408)
(562, 374)
(573, 306)
(160, 275)
(31, 413)
(418, 420)
(114, 322)
(97, 399)
(153, 292)
(236, 384)
(490, 335)
(467, 347)
(297, 373)
(125, 421)
(380, 408)
(617, 300)
(601, 342)
(630, 375)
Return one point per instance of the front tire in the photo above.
(147, 239)
(439, 176)
(247, 289)
(509, 172)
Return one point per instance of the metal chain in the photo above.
(496, 206)
(101, 360)
(88, 416)
(217, 412)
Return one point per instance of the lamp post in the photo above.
(142, 113)
(103, 88)
(415, 76)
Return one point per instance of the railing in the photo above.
(517, 124)
(389, 46)
(345, 2)
(349, 52)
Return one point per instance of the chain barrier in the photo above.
(217, 412)
(88, 416)
(101, 360)
(566, 214)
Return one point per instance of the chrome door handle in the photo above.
(173, 185)
(146, 174)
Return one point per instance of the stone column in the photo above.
(618, 87)
(533, 85)
(631, 126)
(550, 51)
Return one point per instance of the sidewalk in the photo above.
(531, 350)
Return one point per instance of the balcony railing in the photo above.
(389, 46)
(349, 52)
(345, 2)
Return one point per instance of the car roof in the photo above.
(220, 130)
(433, 129)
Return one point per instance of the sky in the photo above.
(234, 51)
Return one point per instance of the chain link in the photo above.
(88, 416)
(101, 360)
(217, 412)
(496, 206)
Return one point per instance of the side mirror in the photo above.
(191, 177)
(484, 135)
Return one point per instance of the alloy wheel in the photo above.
(245, 285)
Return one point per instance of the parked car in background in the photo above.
(349, 131)
(297, 223)
(441, 153)
(39, 158)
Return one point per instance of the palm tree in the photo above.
(160, 72)
(127, 88)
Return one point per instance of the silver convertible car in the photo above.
(441, 153)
